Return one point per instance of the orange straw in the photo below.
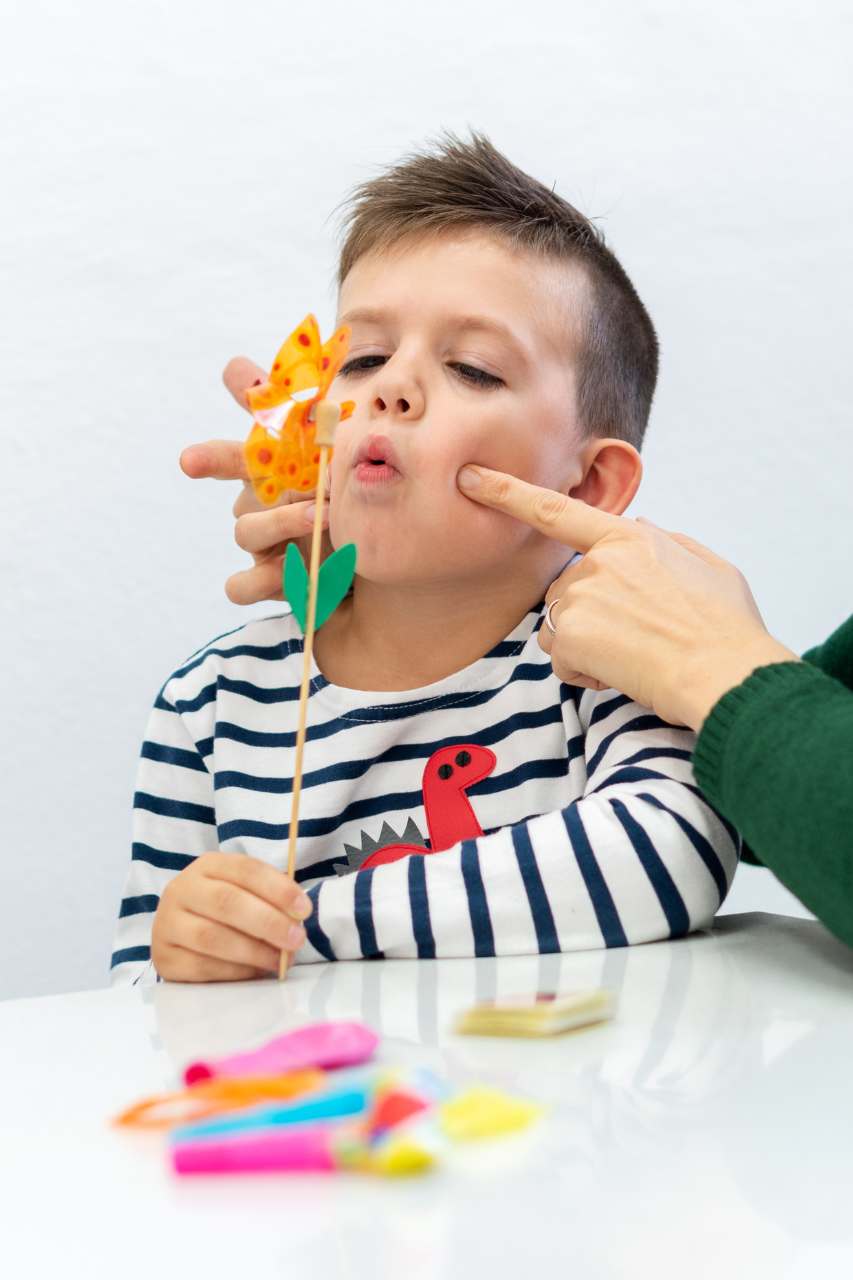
(210, 1097)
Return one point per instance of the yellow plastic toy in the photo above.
(481, 1112)
(281, 451)
(400, 1156)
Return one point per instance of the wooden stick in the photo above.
(328, 416)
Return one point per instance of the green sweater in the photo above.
(775, 756)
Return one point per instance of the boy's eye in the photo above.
(477, 377)
(362, 364)
(467, 372)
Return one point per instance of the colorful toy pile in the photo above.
(306, 1102)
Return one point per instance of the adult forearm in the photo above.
(722, 668)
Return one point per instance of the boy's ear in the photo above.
(612, 471)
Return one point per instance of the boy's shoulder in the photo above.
(241, 653)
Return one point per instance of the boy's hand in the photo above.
(225, 918)
(262, 531)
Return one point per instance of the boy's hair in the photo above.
(461, 184)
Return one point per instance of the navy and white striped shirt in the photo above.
(594, 832)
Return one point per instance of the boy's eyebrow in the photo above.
(484, 324)
(364, 315)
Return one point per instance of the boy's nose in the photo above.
(401, 405)
(397, 394)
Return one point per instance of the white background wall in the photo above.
(168, 170)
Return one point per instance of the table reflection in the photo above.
(718, 1056)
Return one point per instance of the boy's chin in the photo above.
(393, 552)
(390, 569)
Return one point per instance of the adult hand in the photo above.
(262, 531)
(653, 614)
(225, 918)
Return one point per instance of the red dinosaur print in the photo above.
(450, 818)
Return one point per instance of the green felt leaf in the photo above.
(336, 575)
(296, 584)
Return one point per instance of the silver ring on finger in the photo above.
(549, 621)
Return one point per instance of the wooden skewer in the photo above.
(327, 419)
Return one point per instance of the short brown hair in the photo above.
(459, 184)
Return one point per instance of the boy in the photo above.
(489, 324)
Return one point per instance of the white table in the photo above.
(707, 1131)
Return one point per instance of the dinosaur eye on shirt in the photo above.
(463, 758)
(445, 771)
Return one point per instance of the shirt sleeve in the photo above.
(776, 756)
(173, 822)
(640, 856)
(835, 655)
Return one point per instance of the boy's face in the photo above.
(462, 351)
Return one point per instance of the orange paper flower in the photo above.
(281, 453)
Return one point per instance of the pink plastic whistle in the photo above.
(307, 1150)
(321, 1044)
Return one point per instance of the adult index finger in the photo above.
(554, 514)
(215, 460)
(239, 375)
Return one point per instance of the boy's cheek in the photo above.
(341, 461)
(537, 459)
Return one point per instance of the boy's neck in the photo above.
(392, 638)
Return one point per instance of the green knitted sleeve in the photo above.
(835, 655)
(775, 756)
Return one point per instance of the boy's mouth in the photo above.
(376, 462)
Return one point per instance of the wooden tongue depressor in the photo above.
(328, 415)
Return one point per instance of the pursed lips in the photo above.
(377, 461)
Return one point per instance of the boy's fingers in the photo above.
(215, 460)
(218, 941)
(179, 964)
(239, 375)
(258, 531)
(221, 903)
(554, 514)
(260, 879)
(251, 586)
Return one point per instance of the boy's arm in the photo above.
(173, 822)
(640, 856)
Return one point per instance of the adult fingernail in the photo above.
(295, 938)
(301, 906)
(468, 478)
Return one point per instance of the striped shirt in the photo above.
(585, 830)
